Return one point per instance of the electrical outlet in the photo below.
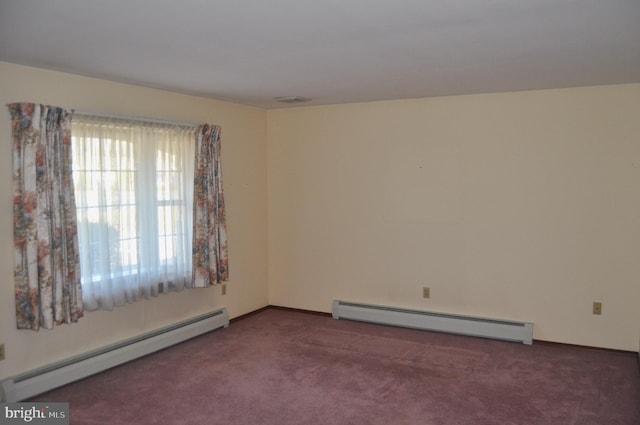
(223, 290)
(426, 292)
(597, 307)
(1, 351)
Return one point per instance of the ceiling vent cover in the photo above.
(292, 99)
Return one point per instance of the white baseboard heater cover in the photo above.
(425, 320)
(44, 379)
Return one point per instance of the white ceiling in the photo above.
(334, 51)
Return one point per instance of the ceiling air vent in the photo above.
(292, 99)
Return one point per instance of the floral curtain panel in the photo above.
(46, 259)
(210, 262)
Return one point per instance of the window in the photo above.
(134, 199)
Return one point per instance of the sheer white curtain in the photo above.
(134, 197)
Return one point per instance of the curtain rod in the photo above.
(139, 119)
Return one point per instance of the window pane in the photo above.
(134, 207)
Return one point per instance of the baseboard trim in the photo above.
(585, 347)
(249, 314)
(535, 341)
(299, 310)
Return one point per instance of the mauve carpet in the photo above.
(281, 367)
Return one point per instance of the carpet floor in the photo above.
(281, 367)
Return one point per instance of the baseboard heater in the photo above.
(43, 379)
(425, 320)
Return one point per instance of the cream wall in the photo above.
(516, 205)
(521, 206)
(245, 184)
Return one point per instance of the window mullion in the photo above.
(147, 211)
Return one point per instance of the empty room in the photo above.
(307, 212)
